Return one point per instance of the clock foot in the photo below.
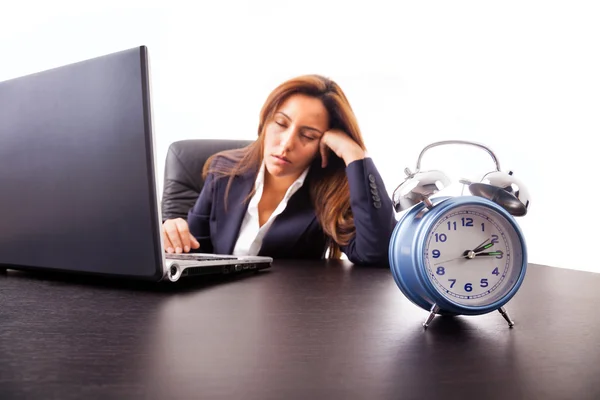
(504, 313)
(434, 310)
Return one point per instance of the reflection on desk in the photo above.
(300, 330)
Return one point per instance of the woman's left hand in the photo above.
(342, 145)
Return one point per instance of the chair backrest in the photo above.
(183, 180)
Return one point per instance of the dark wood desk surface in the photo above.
(300, 331)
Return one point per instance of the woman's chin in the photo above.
(277, 170)
(280, 170)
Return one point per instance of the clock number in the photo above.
(469, 287)
(453, 282)
(436, 254)
(500, 255)
(440, 237)
(482, 227)
(495, 272)
(467, 221)
(484, 283)
(440, 271)
(451, 225)
(494, 238)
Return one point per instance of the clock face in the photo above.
(473, 255)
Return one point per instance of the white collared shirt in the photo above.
(251, 233)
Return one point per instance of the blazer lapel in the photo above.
(288, 227)
(230, 219)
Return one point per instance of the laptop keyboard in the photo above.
(198, 256)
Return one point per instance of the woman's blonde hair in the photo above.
(329, 190)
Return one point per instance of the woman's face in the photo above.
(292, 137)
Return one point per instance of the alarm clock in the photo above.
(459, 255)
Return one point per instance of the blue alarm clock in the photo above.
(459, 255)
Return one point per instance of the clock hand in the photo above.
(464, 254)
(483, 246)
(489, 253)
(452, 259)
(484, 242)
(471, 253)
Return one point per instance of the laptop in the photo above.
(78, 185)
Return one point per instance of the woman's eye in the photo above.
(308, 136)
(280, 124)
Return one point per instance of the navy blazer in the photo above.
(296, 233)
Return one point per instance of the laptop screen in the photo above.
(78, 191)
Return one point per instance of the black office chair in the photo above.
(183, 180)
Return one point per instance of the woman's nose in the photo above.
(287, 140)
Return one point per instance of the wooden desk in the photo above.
(323, 330)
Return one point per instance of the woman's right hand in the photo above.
(177, 237)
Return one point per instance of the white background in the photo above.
(521, 77)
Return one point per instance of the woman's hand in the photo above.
(342, 145)
(177, 237)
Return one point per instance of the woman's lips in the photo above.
(281, 160)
